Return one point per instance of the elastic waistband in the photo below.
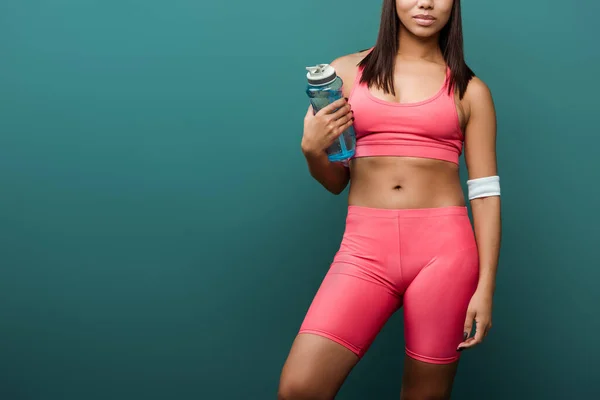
(407, 212)
(391, 149)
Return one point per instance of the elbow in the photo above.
(486, 205)
(336, 190)
(339, 189)
(486, 200)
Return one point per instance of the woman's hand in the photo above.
(322, 128)
(480, 311)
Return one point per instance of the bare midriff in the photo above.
(404, 182)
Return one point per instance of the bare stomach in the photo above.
(404, 182)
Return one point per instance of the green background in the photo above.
(161, 238)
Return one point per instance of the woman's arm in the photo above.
(333, 176)
(319, 132)
(480, 157)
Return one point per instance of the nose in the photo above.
(425, 4)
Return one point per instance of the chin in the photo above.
(423, 31)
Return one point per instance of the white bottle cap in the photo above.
(321, 74)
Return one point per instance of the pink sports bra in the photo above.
(427, 129)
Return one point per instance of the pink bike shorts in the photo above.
(423, 260)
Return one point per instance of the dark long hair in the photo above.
(378, 65)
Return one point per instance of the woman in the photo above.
(408, 242)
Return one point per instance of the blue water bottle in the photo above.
(325, 87)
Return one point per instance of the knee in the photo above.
(297, 389)
(424, 395)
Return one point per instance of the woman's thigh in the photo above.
(316, 368)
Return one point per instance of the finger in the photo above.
(340, 129)
(342, 112)
(343, 120)
(468, 327)
(310, 110)
(333, 126)
(336, 132)
(478, 338)
(488, 328)
(331, 108)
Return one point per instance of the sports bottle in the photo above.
(325, 87)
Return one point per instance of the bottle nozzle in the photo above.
(320, 74)
(317, 69)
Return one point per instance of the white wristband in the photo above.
(484, 187)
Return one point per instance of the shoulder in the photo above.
(349, 62)
(478, 93)
(346, 67)
(478, 99)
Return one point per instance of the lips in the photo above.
(424, 17)
(424, 20)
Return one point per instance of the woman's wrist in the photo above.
(486, 284)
